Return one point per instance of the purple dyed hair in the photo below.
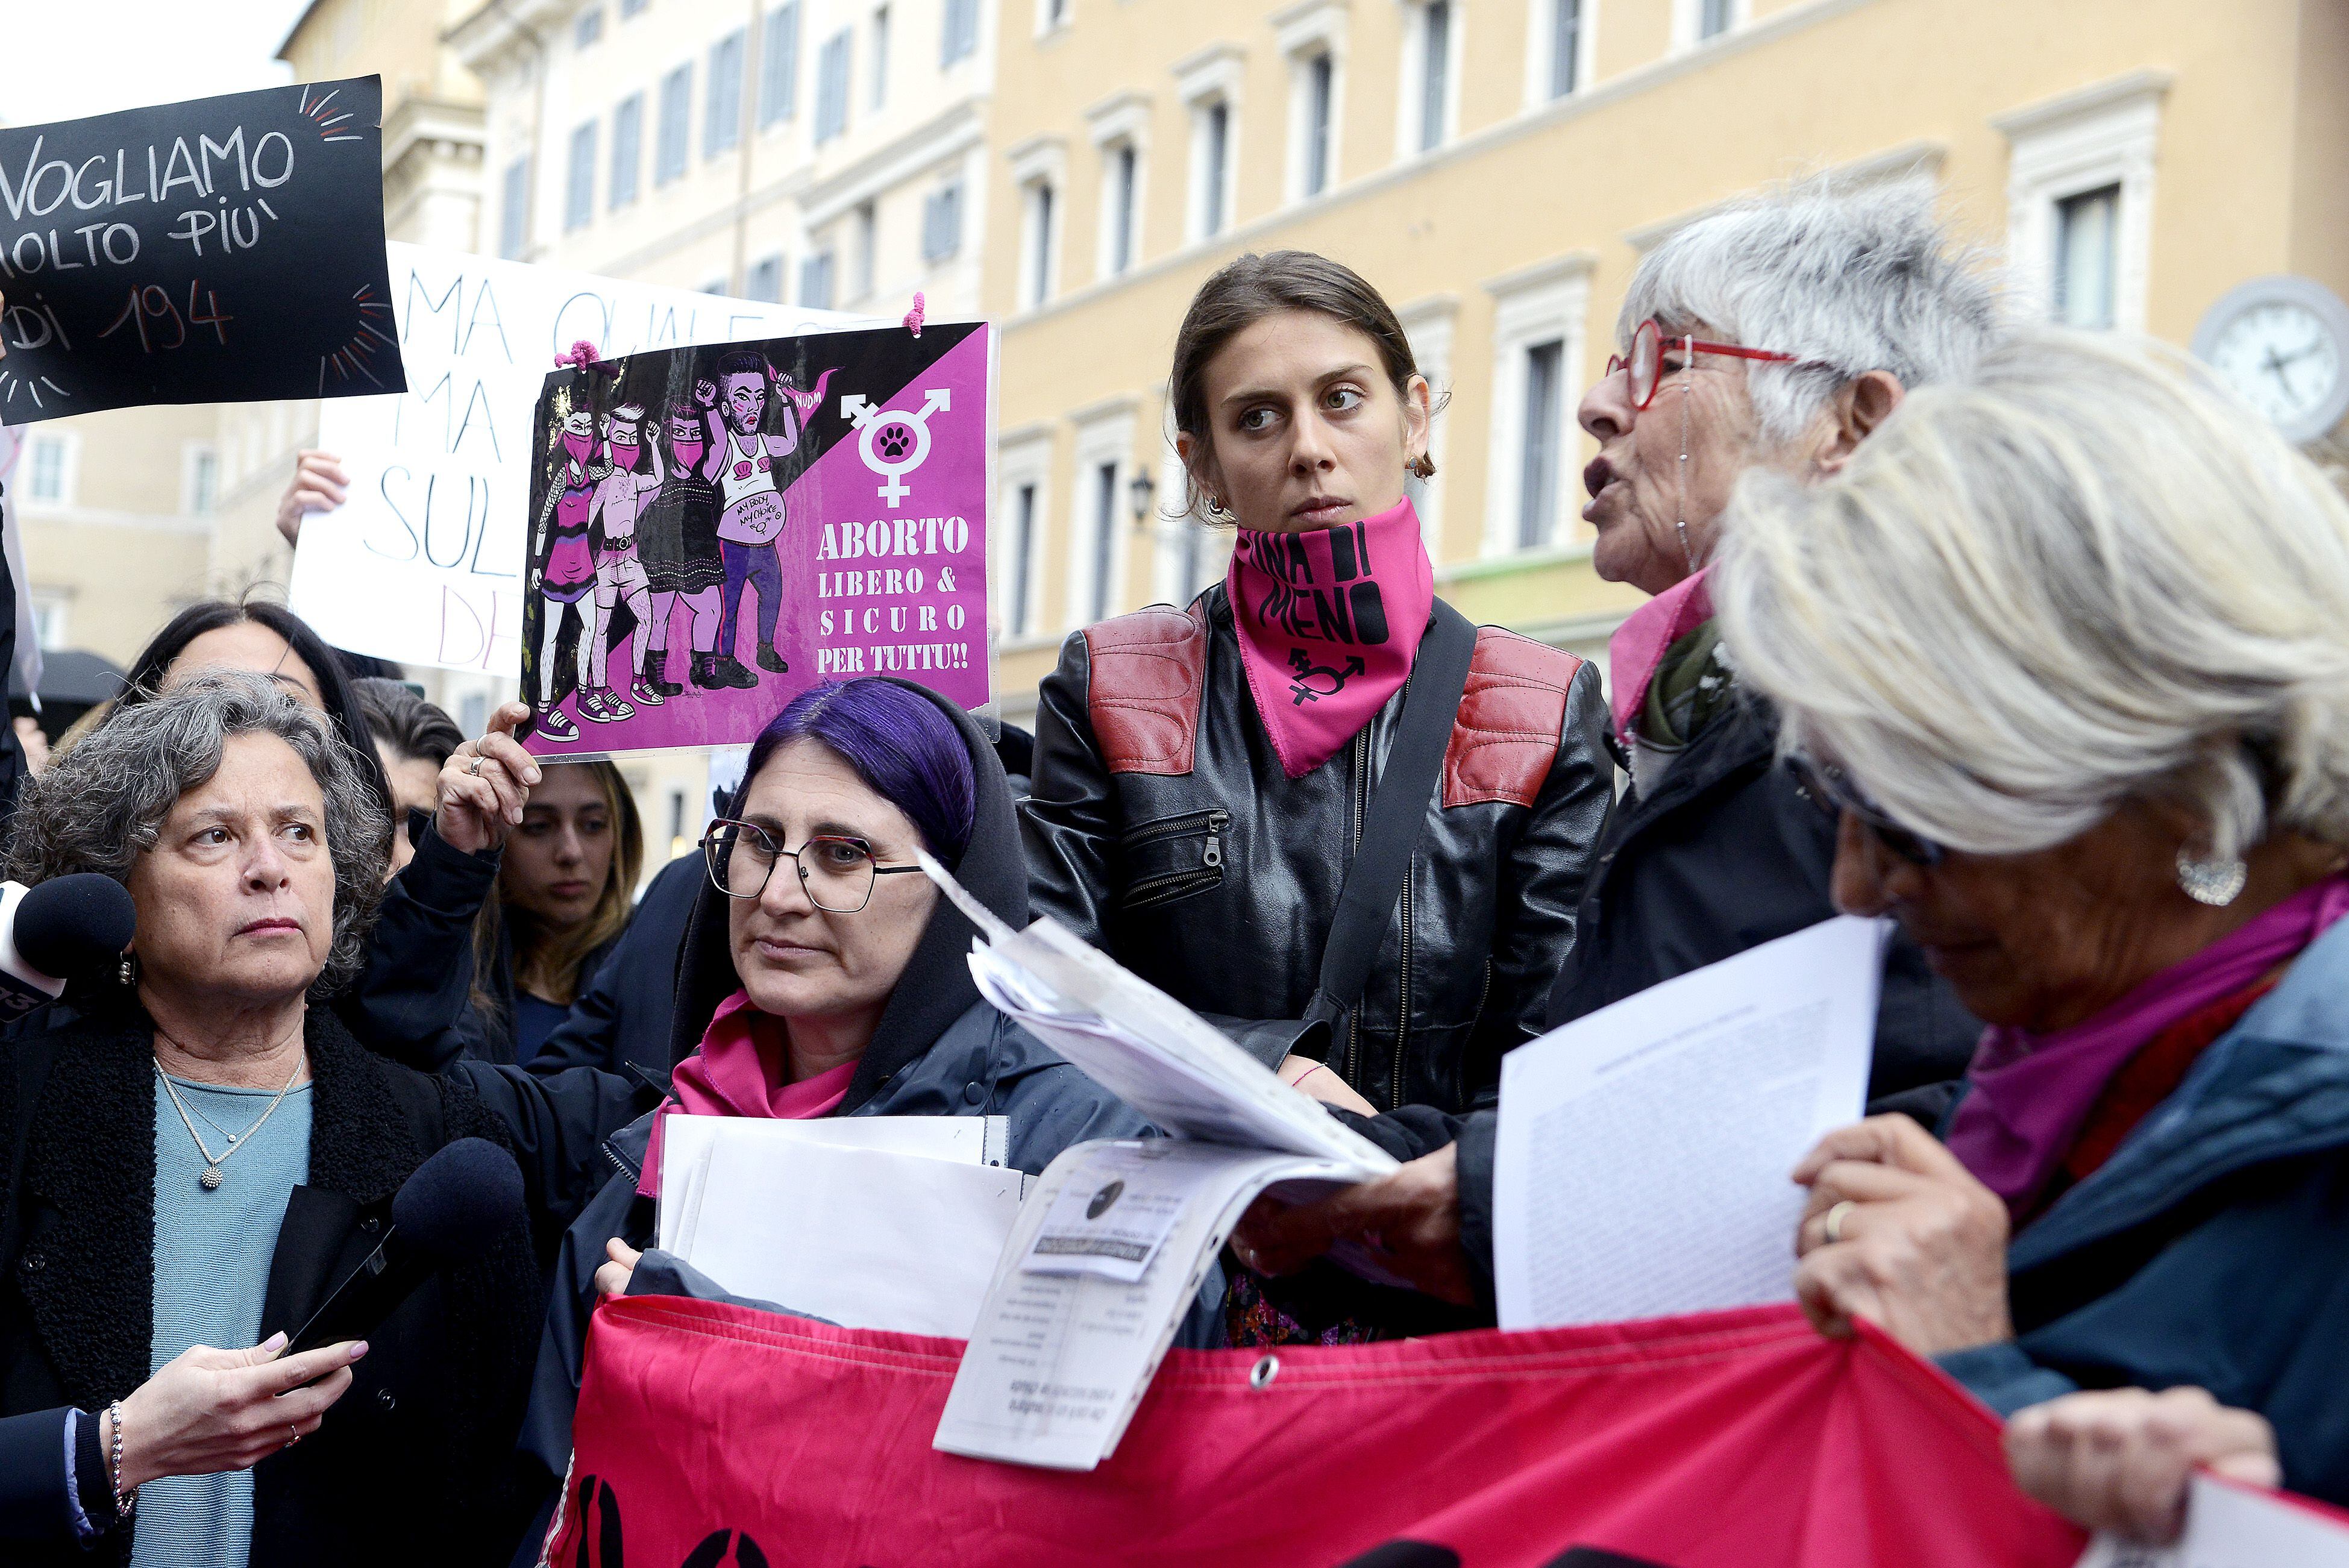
(899, 743)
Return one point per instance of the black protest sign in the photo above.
(220, 251)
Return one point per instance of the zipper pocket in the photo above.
(1215, 821)
(1167, 872)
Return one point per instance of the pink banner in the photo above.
(714, 529)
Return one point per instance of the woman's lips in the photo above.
(569, 889)
(776, 950)
(1320, 509)
(274, 926)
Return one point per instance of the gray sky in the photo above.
(54, 65)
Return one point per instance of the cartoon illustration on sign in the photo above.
(564, 572)
(677, 541)
(620, 576)
(752, 516)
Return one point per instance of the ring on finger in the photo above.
(1833, 1229)
(474, 767)
(293, 1436)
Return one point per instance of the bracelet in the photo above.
(1309, 1072)
(124, 1501)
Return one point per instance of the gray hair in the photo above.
(2088, 577)
(1849, 279)
(102, 804)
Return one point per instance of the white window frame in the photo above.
(2105, 134)
(1118, 122)
(1541, 21)
(1548, 299)
(1411, 97)
(1046, 22)
(69, 448)
(1023, 457)
(1687, 15)
(52, 615)
(1170, 534)
(1104, 435)
(1041, 161)
(1306, 32)
(1203, 79)
(192, 459)
(1431, 326)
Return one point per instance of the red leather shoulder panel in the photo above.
(1506, 734)
(1142, 695)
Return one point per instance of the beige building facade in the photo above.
(1498, 167)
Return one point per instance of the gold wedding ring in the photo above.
(1834, 1227)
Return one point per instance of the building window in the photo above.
(832, 87)
(1319, 86)
(1427, 80)
(676, 126)
(1101, 542)
(588, 28)
(1211, 167)
(1041, 224)
(1545, 366)
(1564, 55)
(2079, 194)
(202, 481)
(1020, 614)
(50, 618)
(879, 59)
(579, 186)
(816, 280)
(627, 149)
(1697, 21)
(1120, 183)
(959, 39)
(627, 8)
(513, 210)
(868, 248)
(779, 66)
(942, 222)
(2087, 250)
(49, 475)
(721, 124)
(1537, 336)
(1051, 15)
(765, 282)
(1714, 18)
(714, 286)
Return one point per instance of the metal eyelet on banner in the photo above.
(1261, 1375)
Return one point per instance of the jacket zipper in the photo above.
(1361, 806)
(620, 1161)
(1215, 821)
(1402, 1005)
(1211, 855)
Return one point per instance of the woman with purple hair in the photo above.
(821, 974)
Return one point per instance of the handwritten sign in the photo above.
(714, 529)
(219, 251)
(424, 564)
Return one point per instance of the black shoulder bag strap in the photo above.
(1398, 810)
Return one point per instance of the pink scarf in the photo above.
(738, 1071)
(1637, 649)
(2031, 1094)
(1329, 623)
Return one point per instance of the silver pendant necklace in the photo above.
(211, 1179)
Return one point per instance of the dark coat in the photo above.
(414, 1463)
(622, 1017)
(1218, 885)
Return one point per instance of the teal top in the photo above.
(213, 1252)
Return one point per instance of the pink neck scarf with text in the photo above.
(1328, 623)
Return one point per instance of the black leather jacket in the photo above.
(1218, 885)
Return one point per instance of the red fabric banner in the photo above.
(713, 1434)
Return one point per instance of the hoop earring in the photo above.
(2217, 883)
(1422, 467)
(1215, 510)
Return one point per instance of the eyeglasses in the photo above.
(1834, 792)
(1646, 364)
(836, 873)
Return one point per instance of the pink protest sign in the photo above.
(715, 530)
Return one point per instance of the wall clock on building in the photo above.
(2282, 344)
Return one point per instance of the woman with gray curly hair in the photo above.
(203, 1154)
(2063, 653)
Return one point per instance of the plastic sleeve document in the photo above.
(2228, 1525)
(1643, 1154)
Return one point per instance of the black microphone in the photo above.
(69, 928)
(452, 1210)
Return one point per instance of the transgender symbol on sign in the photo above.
(892, 442)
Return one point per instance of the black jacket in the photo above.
(1219, 886)
(621, 1019)
(415, 1462)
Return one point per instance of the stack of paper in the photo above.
(2231, 1525)
(893, 1222)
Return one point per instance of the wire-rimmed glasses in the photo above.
(836, 873)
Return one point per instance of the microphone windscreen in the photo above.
(459, 1203)
(75, 925)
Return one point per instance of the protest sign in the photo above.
(714, 529)
(424, 564)
(1725, 1440)
(217, 251)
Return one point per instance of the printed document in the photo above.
(687, 1142)
(1643, 1154)
(2229, 1525)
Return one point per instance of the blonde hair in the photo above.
(2085, 576)
(548, 962)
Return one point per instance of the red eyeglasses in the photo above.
(1648, 355)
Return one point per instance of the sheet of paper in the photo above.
(1643, 1151)
(864, 1238)
(1113, 1224)
(686, 1141)
(2228, 1525)
(1058, 1362)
